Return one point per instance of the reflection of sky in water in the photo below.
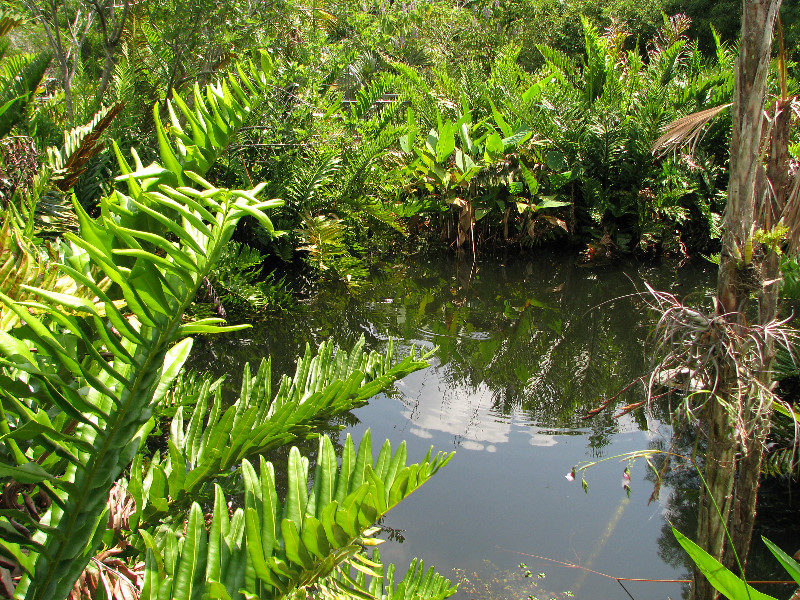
(504, 496)
(469, 416)
(527, 348)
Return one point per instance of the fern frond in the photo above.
(369, 94)
(323, 238)
(309, 178)
(359, 161)
(560, 65)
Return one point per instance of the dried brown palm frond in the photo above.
(686, 130)
(121, 506)
(698, 351)
(107, 575)
(81, 144)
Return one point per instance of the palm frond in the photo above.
(198, 135)
(113, 367)
(309, 177)
(212, 440)
(20, 76)
(9, 20)
(359, 161)
(378, 581)
(272, 548)
(560, 65)
(323, 239)
(81, 145)
(686, 130)
(596, 61)
(370, 93)
(20, 265)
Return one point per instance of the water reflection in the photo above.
(525, 349)
(471, 416)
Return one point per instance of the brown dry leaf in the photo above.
(685, 130)
(556, 221)
(121, 505)
(7, 582)
(119, 580)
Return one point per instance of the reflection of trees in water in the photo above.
(543, 336)
(776, 516)
(680, 506)
(538, 336)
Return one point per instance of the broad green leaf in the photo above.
(533, 93)
(71, 302)
(173, 363)
(297, 492)
(28, 473)
(431, 142)
(530, 180)
(721, 578)
(189, 578)
(494, 146)
(791, 565)
(446, 143)
(500, 121)
(171, 161)
(549, 202)
(516, 138)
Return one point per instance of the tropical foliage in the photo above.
(726, 582)
(339, 133)
(86, 376)
(358, 143)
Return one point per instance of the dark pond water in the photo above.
(526, 347)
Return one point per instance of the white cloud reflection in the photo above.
(470, 417)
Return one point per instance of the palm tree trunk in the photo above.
(715, 496)
(734, 287)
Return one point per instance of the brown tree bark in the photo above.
(772, 193)
(735, 285)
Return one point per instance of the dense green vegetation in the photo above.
(374, 126)
(472, 124)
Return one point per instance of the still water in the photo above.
(526, 346)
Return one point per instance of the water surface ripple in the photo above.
(525, 348)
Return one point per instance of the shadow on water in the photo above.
(525, 347)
